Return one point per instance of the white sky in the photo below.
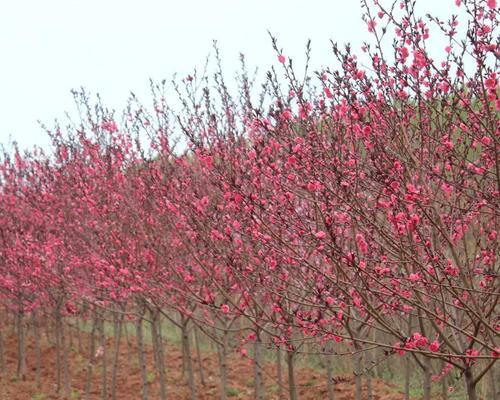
(48, 47)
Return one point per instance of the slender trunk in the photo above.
(158, 351)
(2, 362)
(223, 366)
(188, 358)
(117, 332)
(142, 358)
(377, 367)
(427, 378)
(470, 385)
(70, 336)
(279, 373)
(184, 354)
(78, 336)
(493, 379)
(258, 382)
(62, 368)
(152, 323)
(48, 333)
(2, 357)
(407, 363)
(38, 363)
(368, 368)
(358, 374)
(129, 344)
(65, 370)
(198, 356)
(58, 354)
(90, 366)
(329, 371)
(104, 365)
(292, 387)
(21, 347)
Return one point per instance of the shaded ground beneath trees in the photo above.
(312, 384)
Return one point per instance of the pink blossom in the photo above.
(109, 126)
(491, 82)
(320, 235)
(287, 114)
(363, 246)
(434, 346)
(371, 25)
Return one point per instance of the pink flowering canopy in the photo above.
(331, 209)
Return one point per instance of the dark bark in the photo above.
(292, 386)
(21, 347)
(142, 358)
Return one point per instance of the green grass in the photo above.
(170, 333)
(151, 376)
(232, 392)
(416, 388)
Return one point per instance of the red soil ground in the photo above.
(312, 384)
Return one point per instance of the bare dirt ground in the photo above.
(311, 383)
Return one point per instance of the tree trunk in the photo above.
(21, 347)
(470, 385)
(494, 394)
(407, 362)
(292, 387)
(198, 355)
(65, 364)
(368, 368)
(38, 360)
(188, 358)
(117, 332)
(427, 381)
(279, 373)
(78, 335)
(329, 371)
(2, 357)
(258, 382)
(104, 364)
(358, 374)
(222, 353)
(90, 366)
(142, 358)
(158, 351)
(129, 344)
(58, 353)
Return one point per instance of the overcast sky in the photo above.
(48, 47)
